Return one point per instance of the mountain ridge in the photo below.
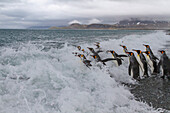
(123, 24)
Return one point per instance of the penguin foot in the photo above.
(168, 77)
(154, 73)
(163, 77)
(145, 76)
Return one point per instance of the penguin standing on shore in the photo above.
(151, 62)
(152, 58)
(151, 53)
(133, 66)
(143, 63)
(118, 62)
(164, 64)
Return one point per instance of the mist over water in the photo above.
(58, 82)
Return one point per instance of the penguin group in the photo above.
(144, 64)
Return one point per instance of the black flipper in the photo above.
(108, 59)
(155, 68)
(119, 62)
(159, 64)
(122, 56)
(99, 51)
(88, 61)
(154, 57)
(104, 63)
(129, 70)
(145, 70)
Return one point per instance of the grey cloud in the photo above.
(10, 1)
(59, 12)
(2, 5)
(16, 13)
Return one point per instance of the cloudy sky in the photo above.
(26, 13)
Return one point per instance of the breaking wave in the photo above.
(55, 81)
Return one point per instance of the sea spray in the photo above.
(60, 83)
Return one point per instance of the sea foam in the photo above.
(60, 83)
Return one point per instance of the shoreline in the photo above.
(166, 29)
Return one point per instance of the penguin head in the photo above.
(147, 46)
(123, 46)
(82, 56)
(162, 51)
(79, 48)
(138, 51)
(79, 55)
(147, 52)
(94, 56)
(97, 43)
(98, 46)
(111, 51)
(75, 53)
(91, 49)
(130, 53)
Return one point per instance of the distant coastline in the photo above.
(133, 24)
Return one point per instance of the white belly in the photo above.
(161, 70)
(141, 64)
(115, 61)
(131, 73)
(150, 64)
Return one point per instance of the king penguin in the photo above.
(164, 64)
(142, 61)
(98, 59)
(84, 60)
(118, 62)
(94, 52)
(133, 66)
(125, 50)
(95, 55)
(150, 52)
(99, 49)
(97, 44)
(151, 62)
(82, 50)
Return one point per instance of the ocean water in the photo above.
(39, 73)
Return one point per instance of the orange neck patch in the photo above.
(140, 51)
